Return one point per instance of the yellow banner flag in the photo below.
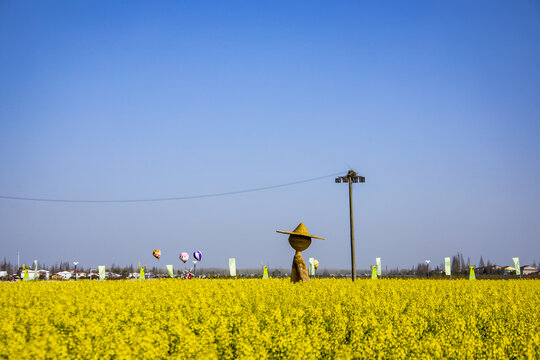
(265, 272)
(471, 274)
(374, 272)
(141, 275)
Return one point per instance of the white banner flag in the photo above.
(101, 269)
(378, 266)
(232, 266)
(516, 265)
(170, 270)
(447, 266)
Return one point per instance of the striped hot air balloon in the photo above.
(197, 255)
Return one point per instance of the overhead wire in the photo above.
(174, 198)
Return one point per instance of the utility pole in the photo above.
(350, 178)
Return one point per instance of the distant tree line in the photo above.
(458, 266)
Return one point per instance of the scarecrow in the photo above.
(300, 239)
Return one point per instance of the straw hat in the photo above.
(300, 230)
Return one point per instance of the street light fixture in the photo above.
(350, 178)
(75, 263)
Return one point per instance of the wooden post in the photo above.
(353, 258)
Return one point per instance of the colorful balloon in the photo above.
(157, 254)
(184, 257)
(197, 255)
(316, 264)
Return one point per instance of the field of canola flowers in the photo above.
(260, 319)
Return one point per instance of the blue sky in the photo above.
(436, 103)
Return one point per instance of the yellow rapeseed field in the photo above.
(258, 319)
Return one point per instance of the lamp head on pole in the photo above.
(351, 177)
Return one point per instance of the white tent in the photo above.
(65, 275)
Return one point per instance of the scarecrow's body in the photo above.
(299, 269)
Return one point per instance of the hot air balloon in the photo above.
(157, 254)
(184, 257)
(197, 255)
(316, 264)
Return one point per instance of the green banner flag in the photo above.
(265, 272)
(447, 266)
(35, 270)
(379, 270)
(374, 272)
(232, 266)
(516, 265)
(311, 266)
(170, 270)
(101, 270)
(471, 274)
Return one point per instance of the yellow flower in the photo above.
(254, 319)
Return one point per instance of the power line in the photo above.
(175, 198)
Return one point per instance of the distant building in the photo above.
(491, 269)
(80, 274)
(40, 273)
(64, 275)
(44, 274)
(111, 275)
(528, 269)
(509, 270)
